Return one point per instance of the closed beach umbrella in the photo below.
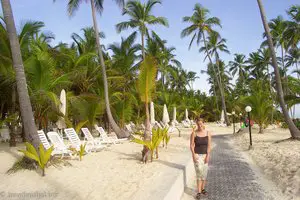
(166, 118)
(62, 108)
(186, 115)
(174, 114)
(152, 115)
(222, 117)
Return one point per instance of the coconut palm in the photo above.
(295, 133)
(87, 43)
(261, 104)
(238, 66)
(24, 100)
(201, 25)
(97, 6)
(141, 17)
(292, 34)
(293, 58)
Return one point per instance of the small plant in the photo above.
(81, 151)
(153, 144)
(42, 158)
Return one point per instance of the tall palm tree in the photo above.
(141, 17)
(24, 101)
(97, 6)
(295, 133)
(201, 25)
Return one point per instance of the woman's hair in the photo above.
(199, 119)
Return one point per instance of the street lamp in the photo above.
(248, 110)
(240, 120)
(233, 113)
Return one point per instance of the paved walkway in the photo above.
(230, 177)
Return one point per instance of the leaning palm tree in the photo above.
(201, 25)
(140, 17)
(97, 6)
(295, 133)
(24, 101)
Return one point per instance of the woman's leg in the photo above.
(199, 185)
(203, 183)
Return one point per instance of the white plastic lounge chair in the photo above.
(158, 125)
(129, 128)
(185, 124)
(108, 139)
(89, 137)
(76, 142)
(59, 146)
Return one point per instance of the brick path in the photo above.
(229, 177)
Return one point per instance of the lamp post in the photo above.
(240, 120)
(233, 113)
(248, 110)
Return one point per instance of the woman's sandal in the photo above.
(198, 195)
(204, 192)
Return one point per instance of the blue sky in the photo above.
(240, 20)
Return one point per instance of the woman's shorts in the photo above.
(201, 167)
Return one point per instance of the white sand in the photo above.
(114, 173)
(279, 161)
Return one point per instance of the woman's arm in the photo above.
(192, 145)
(208, 147)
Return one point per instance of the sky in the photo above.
(240, 19)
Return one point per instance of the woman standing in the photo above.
(200, 143)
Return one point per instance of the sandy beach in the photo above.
(279, 161)
(114, 173)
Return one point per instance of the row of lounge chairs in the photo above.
(92, 144)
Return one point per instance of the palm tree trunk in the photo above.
(147, 133)
(143, 45)
(270, 83)
(298, 73)
(218, 82)
(12, 126)
(120, 133)
(24, 100)
(295, 133)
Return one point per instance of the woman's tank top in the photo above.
(201, 144)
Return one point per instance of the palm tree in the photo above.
(256, 67)
(25, 105)
(202, 24)
(295, 133)
(238, 65)
(146, 86)
(97, 6)
(191, 77)
(293, 58)
(261, 103)
(140, 17)
(292, 34)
